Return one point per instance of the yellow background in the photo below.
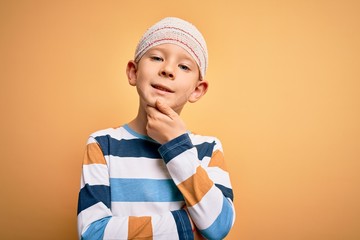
(284, 99)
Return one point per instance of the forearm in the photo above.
(209, 202)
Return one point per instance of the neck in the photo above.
(138, 124)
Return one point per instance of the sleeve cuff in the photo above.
(175, 147)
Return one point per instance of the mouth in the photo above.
(161, 88)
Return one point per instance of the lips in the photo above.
(162, 88)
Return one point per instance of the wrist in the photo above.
(174, 136)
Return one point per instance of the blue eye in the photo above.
(183, 67)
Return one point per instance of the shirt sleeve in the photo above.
(95, 219)
(205, 184)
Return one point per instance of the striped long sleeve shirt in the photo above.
(134, 188)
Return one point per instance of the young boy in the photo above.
(151, 178)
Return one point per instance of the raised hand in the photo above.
(164, 124)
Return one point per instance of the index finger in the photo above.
(150, 110)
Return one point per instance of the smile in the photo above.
(161, 88)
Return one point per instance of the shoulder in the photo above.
(116, 133)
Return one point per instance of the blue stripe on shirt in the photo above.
(144, 190)
(205, 149)
(227, 192)
(183, 225)
(175, 147)
(222, 224)
(128, 148)
(90, 195)
(96, 230)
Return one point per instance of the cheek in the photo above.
(184, 97)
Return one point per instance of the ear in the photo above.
(131, 70)
(199, 91)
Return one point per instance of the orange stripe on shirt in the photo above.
(93, 154)
(140, 228)
(195, 187)
(217, 160)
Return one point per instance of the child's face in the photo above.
(167, 72)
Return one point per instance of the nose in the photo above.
(167, 71)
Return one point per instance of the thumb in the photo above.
(164, 108)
